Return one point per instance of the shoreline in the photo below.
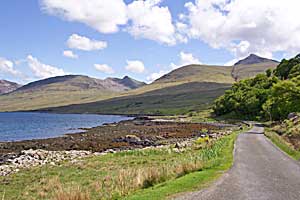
(130, 134)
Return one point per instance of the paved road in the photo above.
(260, 172)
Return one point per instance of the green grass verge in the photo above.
(282, 144)
(193, 181)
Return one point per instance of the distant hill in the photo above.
(189, 88)
(186, 89)
(79, 82)
(8, 86)
(255, 59)
(64, 90)
(128, 82)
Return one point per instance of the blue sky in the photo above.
(34, 35)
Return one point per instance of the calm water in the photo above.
(25, 126)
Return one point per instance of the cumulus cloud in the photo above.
(135, 66)
(104, 68)
(142, 19)
(243, 26)
(7, 66)
(105, 15)
(151, 21)
(41, 70)
(184, 59)
(83, 43)
(69, 54)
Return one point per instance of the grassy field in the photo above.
(139, 174)
(282, 144)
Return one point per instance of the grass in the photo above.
(282, 144)
(219, 159)
(156, 171)
(174, 100)
(184, 90)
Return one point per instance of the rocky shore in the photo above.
(31, 158)
(109, 138)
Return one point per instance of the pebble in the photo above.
(31, 158)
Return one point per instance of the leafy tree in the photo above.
(271, 96)
(284, 99)
(284, 68)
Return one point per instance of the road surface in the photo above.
(260, 172)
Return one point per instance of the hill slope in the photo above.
(187, 89)
(254, 59)
(7, 86)
(64, 90)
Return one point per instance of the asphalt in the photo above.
(260, 172)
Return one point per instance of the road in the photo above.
(260, 172)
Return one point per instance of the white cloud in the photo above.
(151, 21)
(135, 66)
(243, 26)
(185, 59)
(69, 54)
(104, 68)
(103, 15)
(154, 76)
(83, 43)
(7, 66)
(41, 70)
(142, 19)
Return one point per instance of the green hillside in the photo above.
(187, 89)
(64, 90)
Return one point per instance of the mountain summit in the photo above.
(128, 82)
(7, 86)
(254, 59)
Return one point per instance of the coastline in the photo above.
(137, 133)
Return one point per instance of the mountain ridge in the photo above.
(82, 82)
(8, 86)
(189, 88)
(254, 59)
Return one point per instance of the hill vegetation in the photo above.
(189, 89)
(272, 95)
(65, 90)
(184, 90)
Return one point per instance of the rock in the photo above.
(292, 115)
(30, 158)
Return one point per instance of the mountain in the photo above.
(79, 82)
(187, 89)
(7, 86)
(64, 90)
(254, 59)
(128, 82)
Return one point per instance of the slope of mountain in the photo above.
(79, 82)
(254, 59)
(187, 89)
(128, 82)
(7, 86)
(183, 90)
(63, 90)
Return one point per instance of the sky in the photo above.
(144, 39)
